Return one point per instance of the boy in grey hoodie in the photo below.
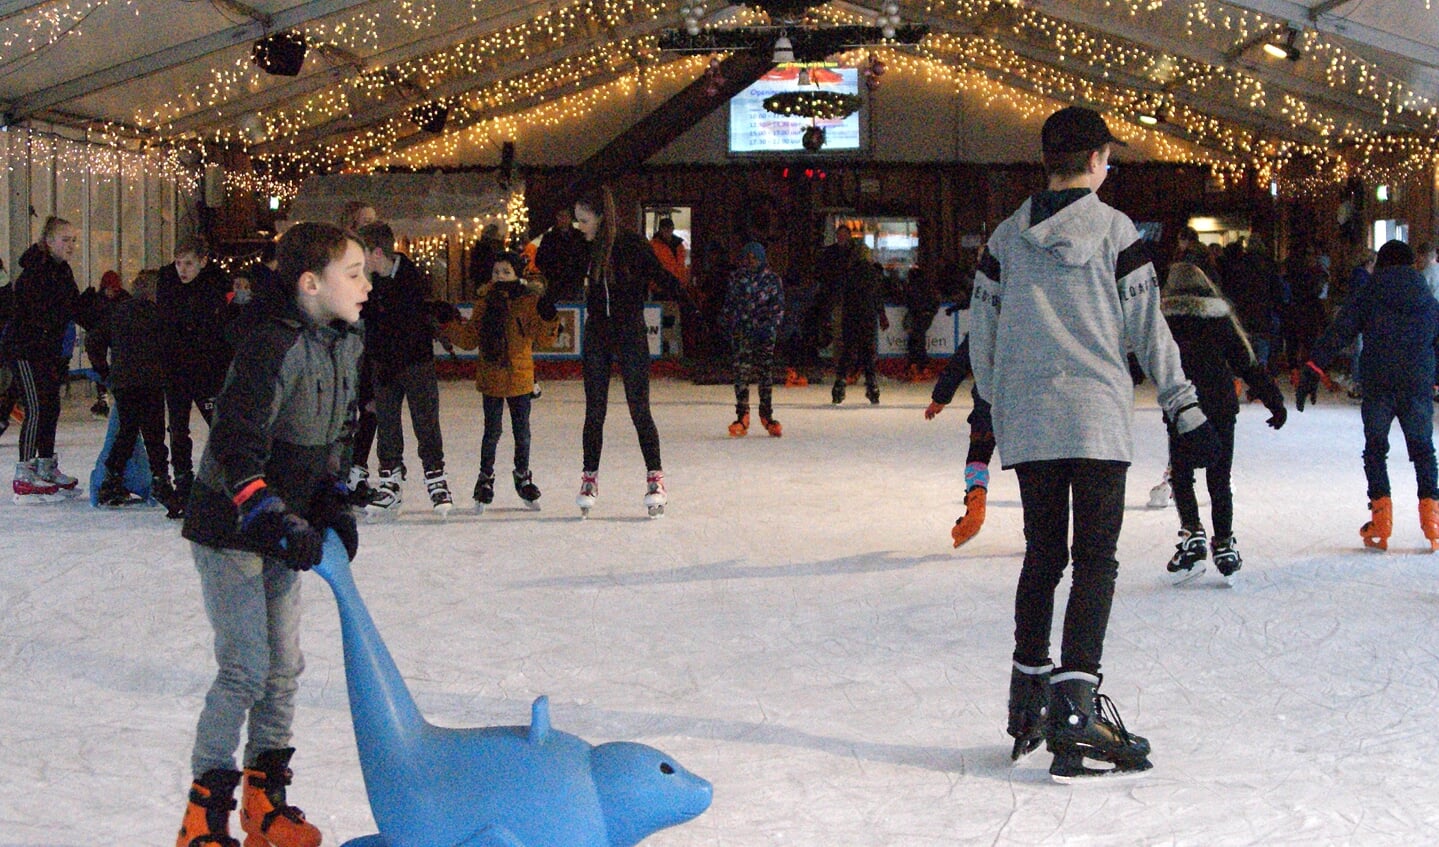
(1064, 291)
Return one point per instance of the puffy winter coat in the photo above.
(397, 323)
(530, 321)
(1213, 349)
(754, 305)
(1399, 319)
(44, 300)
(285, 415)
(125, 347)
(195, 313)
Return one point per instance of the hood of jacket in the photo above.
(35, 256)
(1072, 235)
(1192, 296)
(1401, 289)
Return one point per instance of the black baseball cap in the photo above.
(1075, 129)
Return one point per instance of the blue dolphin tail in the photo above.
(389, 730)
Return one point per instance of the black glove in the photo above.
(1277, 417)
(1308, 385)
(277, 532)
(1199, 447)
(330, 509)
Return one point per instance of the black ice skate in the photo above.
(484, 491)
(836, 394)
(1028, 707)
(528, 491)
(871, 393)
(1189, 553)
(164, 494)
(1226, 558)
(113, 494)
(1084, 724)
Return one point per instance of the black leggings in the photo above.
(39, 381)
(631, 351)
(1045, 491)
(1216, 477)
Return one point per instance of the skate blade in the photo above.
(584, 514)
(657, 511)
(33, 499)
(1379, 544)
(1231, 580)
(479, 508)
(1181, 577)
(532, 505)
(1081, 774)
(443, 510)
(1024, 746)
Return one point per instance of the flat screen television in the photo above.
(753, 131)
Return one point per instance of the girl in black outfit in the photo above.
(621, 268)
(45, 302)
(1213, 349)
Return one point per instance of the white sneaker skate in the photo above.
(30, 489)
(655, 496)
(385, 502)
(589, 492)
(439, 489)
(47, 470)
(1161, 495)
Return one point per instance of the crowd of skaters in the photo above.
(273, 478)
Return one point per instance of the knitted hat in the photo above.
(756, 250)
(110, 281)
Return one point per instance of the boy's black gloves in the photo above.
(276, 531)
(1199, 447)
(1277, 416)
(1308, 385)
(330, 509)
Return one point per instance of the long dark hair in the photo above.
(494, 323)
(601, 201)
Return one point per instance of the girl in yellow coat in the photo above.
(509, 319)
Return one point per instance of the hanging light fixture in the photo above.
(783, 50)
(1286, 48)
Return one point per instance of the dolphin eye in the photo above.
(666, 768)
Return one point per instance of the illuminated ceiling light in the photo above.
(1285, 49)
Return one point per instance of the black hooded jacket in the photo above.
(45, 301)
(194, 316)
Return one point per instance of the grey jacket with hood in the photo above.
(1057, 308)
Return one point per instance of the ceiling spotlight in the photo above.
(783, 50)
(1148, 119)
(1285, 49)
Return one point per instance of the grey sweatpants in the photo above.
(254, 607)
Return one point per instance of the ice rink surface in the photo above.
(797, 629)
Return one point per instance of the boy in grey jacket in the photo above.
(1064, 291)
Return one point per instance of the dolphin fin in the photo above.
(540, 720)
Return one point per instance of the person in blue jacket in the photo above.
(1399, 319)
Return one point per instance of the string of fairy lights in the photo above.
(1302, 143)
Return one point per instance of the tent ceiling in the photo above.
(180, 71)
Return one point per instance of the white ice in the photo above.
(797, 629)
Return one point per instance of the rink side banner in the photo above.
(941, 339)
(569, 341)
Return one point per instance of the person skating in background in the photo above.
(509, 319)
(1399, 319)
(1213, 349)
(921, 304)
(44, 302)
(981, 442)
(1064, 290)
(562, 257)
(192, 296)
(94, 305)
(854, 285)
(125, 347)
(267, 489)
(753, 309)
(400, 356)
(621, 269)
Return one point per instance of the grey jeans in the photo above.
(254, 607)
(415, 384)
